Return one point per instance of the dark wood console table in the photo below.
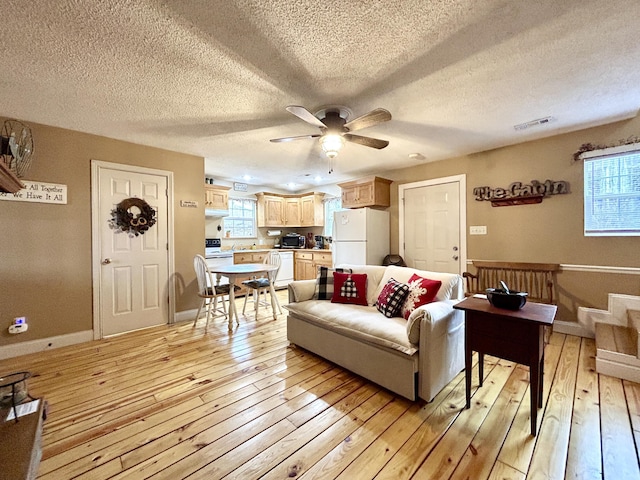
(21, 444)
(517, 336)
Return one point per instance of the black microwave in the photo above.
(292, 241)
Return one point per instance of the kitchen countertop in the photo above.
(259, 250)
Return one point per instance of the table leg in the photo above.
(540, 389)
(232, 301)
(534, 390)
(467, 372)
(480, 368)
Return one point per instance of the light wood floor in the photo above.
(180, 402)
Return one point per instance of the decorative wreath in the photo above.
(123, 219)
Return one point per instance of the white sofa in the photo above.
(414, 358)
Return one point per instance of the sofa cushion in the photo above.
(324, 282)
(421, 291)
(392, 298)
(350, 288)
(356, 321)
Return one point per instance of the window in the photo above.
(330, 206)
(241, 222)
(612, 191)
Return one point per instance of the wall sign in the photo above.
(521, 194)
(240, 187)
(41, 192)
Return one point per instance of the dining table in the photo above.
(232, 272)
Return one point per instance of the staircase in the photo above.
(617, 348)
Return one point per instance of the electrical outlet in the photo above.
(478, 230)
(20, 320)
(20, 328)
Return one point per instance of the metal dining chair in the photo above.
(262, 285)
(209, 291)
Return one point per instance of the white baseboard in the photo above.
(572, 328)
(33, 346)
(186, 315)
(618, 370)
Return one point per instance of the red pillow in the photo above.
(421, 291)
(349, 288)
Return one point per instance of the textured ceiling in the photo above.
(213, 78)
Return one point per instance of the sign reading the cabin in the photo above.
(41, 192)
(518, 193)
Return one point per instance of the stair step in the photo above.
(616, 339)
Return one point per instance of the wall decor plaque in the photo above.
(521, 194)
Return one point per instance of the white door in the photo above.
(432, 227)
(133, 270)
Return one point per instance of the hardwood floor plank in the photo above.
(585, 456)
(552, 445)
(517, 449)
(502, 471)
(446, 455)
(619, 455)
(480, 458)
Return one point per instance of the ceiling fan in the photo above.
(335, 129)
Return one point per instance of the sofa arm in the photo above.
(301, 290)
(441, 347)
(428, 317)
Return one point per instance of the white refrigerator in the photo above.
(360, 236)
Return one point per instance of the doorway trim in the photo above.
(96, 166)
(462, 191)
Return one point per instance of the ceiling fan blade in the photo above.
(370, 119)
(289, 139)
(366, 141)
(304, 114)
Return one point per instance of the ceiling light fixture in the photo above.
(331, 145)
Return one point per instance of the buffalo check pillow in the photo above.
(421, 291)
(392, 298)
(324, 282)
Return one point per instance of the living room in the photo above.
(48, 268)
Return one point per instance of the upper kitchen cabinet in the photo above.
(270, 210)
(366, 192)
(276, 210)
(312, 210)
(216, 197)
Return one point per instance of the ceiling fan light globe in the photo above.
(331, 144)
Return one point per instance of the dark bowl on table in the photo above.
(510, 301)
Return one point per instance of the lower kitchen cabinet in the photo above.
(246, 256)
(306, 263)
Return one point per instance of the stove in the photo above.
(212, 249)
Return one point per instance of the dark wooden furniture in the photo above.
(537, 279)
(21, 444)
(517, 336)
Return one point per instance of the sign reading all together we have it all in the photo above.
(41, 192)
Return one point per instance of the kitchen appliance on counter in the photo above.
(319, 239)
(292, 240)
(360, 236)
(216, 257)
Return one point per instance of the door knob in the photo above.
(455, 257)
(455, 249)
(106, 261)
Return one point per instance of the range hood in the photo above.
(210, 212)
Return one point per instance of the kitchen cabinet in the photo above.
(312, 210)
(366, 192)
(306, 263)
(292, 216)
(275, 210)
(216, 197)
(246, 256)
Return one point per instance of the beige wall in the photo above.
(45, 271)
(548, 232)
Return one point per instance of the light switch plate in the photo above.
(478, 230)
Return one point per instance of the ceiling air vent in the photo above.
(534, 123)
